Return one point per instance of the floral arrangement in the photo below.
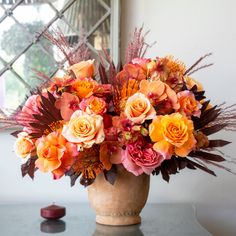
(149, 115)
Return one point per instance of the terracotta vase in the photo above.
(121, 203)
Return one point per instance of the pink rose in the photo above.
(138, 159)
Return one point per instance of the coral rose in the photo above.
(55, 154)
(84, 87)
(93, 105)
(67, 104)
(24, 145)
(172, 134)
(83, 69)
(138, 158)
(138, 108)
(188, 104)
(84, 130)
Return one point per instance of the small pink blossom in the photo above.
(67, 104)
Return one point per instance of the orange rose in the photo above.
(138, 108)
(172, 134)
(55, 154)
(83, 69)
(24, 145)
(188, 104)
(84, 87)
(84, 130)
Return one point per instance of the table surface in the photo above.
(157, 220)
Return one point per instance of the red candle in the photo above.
(53, 212)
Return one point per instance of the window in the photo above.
(23, 48)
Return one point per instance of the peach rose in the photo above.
(188, 104)
(172, 134)
(84, 87)
(24, 145)
(138, 108)
(55, 154)
(83, 69)
(93, 105)
(84, 130)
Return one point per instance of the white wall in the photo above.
(187, 29)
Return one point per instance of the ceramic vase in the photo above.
(121, 203)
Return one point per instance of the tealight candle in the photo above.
(53, 212)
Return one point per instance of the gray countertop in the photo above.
(157, 220)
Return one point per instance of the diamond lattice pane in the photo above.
(13, 92)
(42, 13)
(13, 39)
(38, 58)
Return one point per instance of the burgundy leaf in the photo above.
(40, 118)
(110, 175)
(213, 129)
(165, 175)
(201, 167)
(194, 89)
(205, 105)
(218, 143)
(102, 73)
(207, 156)
(86, 182)
(191, 166)
(51, 98)
(119, 67)
(73, 179)
(28, 168)
(181, 163)
(15, 133)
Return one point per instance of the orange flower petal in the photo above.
(185, 149)
(164, 148)
(155, 129)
